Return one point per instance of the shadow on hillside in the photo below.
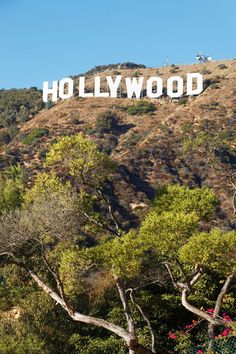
(227, 157)
(123, 128)
(126, 218)
(134, 179)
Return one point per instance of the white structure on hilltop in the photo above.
(203, 58)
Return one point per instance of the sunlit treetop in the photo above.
(82, 159)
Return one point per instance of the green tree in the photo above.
(172, 228)
(81, 158)
(43, 240)
(11, 188)
(91, 168)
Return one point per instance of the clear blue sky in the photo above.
(44, 40)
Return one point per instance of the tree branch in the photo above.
(101, 224)
(166, 264)
(233, 184)
(186, 289)
(129, 338)
(151, 330)
(110, 211)
(127, 311)
(57, 280)
(222, 294)
(212, 327)
(211, 319)
(125, 304)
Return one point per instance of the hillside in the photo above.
(188, 141)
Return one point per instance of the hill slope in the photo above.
(188, 141)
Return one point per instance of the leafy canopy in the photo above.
(82, 159)
(175, 216)
(11, 188)
(122, 256)
(211, 249)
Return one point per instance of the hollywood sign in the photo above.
(64, 89)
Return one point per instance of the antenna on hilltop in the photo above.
(166, 62)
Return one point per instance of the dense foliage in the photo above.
(102, 68)
(66, 258)
(141, 107)
(19, 105)
(16, 107)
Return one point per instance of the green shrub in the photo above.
(215, 86)
(9, 120)
(108, 143)
(186, 127)
(35, 134)
(141, 107)
(130, 65)
(133, 139)
(75, 121)
(42, 153)
(49, 104)
(183, 101)
(116, 72)
(222, 66)
(204, 71)
(210, 106)
(106, 122)
(136, 73)
(5, 137)
(174, 69)
(164, 129)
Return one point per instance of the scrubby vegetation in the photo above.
(141, 107)
(34, 134)
(18, 106)
(222, 66)
(5, 137)
(101, 68)
(117, 231)
(67, 257)
(107, 122)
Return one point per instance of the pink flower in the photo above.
(210, 310)
(226, 317)
(172, 335)
(199, 351)
(225, 332)
(188, 326)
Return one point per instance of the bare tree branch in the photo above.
(151, 330)
(110, 211)
(185, 292)
(114, 232)
(128, 336)
(57, 279)
(170, 274)
(233, 184)
(125, 304)
(212, 327)
(186, 289)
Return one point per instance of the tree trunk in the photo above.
(151, 330)
(199, 313)
(212, 327)
(129, 338)
(127, 311)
